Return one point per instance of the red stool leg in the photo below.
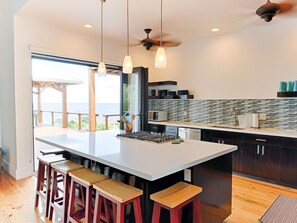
(174, 218)
(156, 213)
(66, 196)
(71, 200)
(137, 210)
(196, 211)
(53, 194)
(47, 193)
(89, 206)
(40, 177)
(114, 211)
(106, 209)
(180, 214)
(97, 210)
(120, 213)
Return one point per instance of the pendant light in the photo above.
(101, 67)
(160, 59)
(127, 64)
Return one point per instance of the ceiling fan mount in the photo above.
(268, 11)
(147, 42)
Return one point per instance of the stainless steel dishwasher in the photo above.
(189, 133)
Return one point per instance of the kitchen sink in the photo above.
(227, 126)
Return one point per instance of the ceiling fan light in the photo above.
(101, 69)
(127, 65)
(160, 59)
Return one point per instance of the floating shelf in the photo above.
(172, 97)
(287, 94)
(162, 83)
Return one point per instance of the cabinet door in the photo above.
(270, 162)
(250, 159)
(288, 173)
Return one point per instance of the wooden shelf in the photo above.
(287, 94)
(172, 97)
(162, 83)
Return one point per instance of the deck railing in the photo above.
(79, 117)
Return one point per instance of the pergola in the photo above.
(58, 84)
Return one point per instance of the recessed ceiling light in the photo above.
(215, 30)
(88, 26)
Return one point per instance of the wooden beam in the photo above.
(92, 101)
(64, 106)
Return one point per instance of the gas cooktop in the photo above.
(148, 136)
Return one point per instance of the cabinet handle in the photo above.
(261, 140)
(258, 149)
(223, 142)
(219, 141)
(263, 150)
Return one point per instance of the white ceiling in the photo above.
(184, 20)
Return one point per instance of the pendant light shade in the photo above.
(101, 67)
(160, 59)
(128, 64)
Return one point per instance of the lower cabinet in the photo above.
(267, 157)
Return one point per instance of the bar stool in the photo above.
(86, 178)
(55, 151)
(58, 203)
(44, 179)
(119, 194)
(174, 199)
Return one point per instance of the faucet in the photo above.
(234, 112)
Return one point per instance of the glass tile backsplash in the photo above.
(281, 113)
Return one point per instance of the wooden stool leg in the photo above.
(40, 177)
(71, 199)
(66, 182)
(97, 210)
(89, 206)
(106, 209)
(180, 214)
(53, 194)
(174, 218)
(137, 210)
(114, 211)
(47, 193)
(197, 218)
(120, 213)
(156, 213)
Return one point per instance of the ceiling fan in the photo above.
(148, 42)
(269, 9)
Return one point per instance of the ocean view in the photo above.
(101, 109)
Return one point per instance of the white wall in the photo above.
(7, 100)
(40, 37)
(246, 64)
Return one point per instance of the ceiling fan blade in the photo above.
(286, 7)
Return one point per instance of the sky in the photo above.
(107, 88)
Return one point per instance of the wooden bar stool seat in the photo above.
(86, 178)
(174, 199)
(44, 179)
(59, 201)
(119, 194)
(55, 151)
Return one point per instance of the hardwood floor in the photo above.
(249, 201)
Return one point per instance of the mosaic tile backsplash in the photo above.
(281, 113)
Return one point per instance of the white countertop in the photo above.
(147, 160)
(260, 131)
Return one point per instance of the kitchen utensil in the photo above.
(132, 118)
(128, 127)
(183, 92)
(282, 86)
(123, 119)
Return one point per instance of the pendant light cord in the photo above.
(161, 43)
(128, 51)
(102, 30)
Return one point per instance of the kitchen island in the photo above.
(159, 165)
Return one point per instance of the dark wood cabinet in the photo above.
(270, 158)
(288, 173)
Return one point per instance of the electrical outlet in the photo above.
(262, 116)
(187, 175)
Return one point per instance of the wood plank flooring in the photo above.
(249, 200)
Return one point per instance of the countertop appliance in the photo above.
(157, 115)
(148, 136)
(189, 133)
